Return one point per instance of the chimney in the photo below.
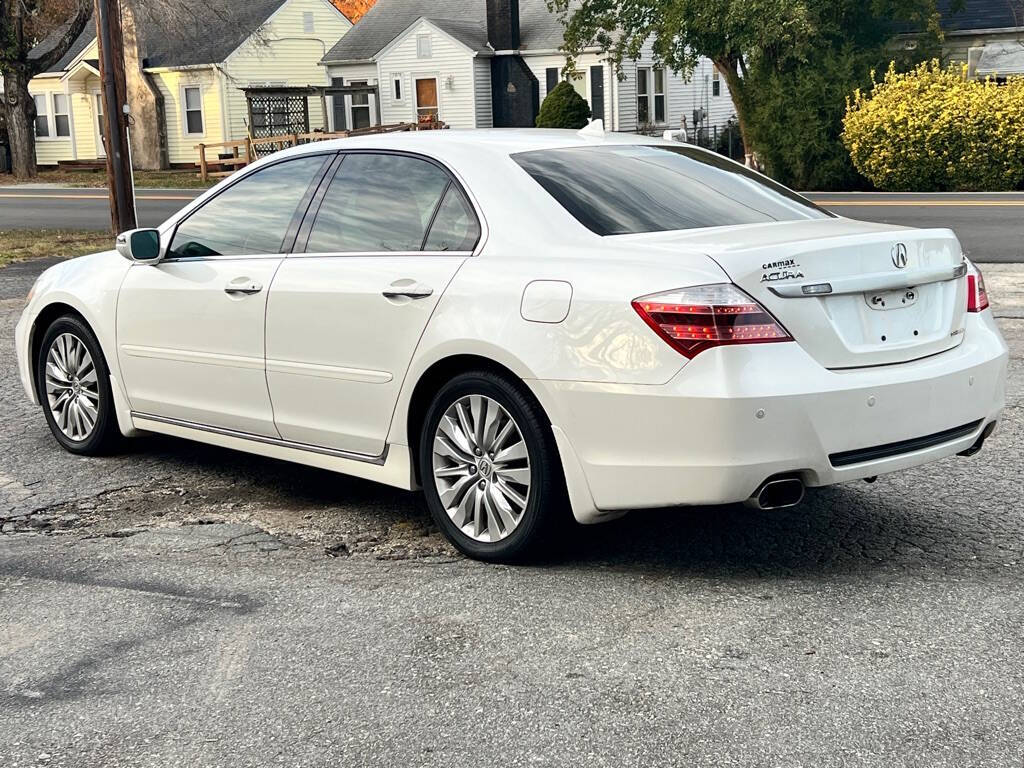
(503, 24)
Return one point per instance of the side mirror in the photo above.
(140, 245)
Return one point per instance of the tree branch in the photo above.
(56, 53)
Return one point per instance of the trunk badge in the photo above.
(899, 255)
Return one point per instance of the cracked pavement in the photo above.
(183, 605)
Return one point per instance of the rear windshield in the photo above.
(625, 189)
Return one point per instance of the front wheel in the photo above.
(74, 388)
(490, 469)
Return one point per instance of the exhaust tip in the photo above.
(778, 494)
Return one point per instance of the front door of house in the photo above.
(426, 99)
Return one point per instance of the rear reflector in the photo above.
(694, 319)
(977, 296)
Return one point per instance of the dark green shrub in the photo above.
(563, 108)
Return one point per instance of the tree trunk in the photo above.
(738, 93)
(20, 111)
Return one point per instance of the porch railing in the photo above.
(231, 155)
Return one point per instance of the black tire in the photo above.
(547, 507)
(105, 432)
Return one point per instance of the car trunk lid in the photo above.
(851, 293)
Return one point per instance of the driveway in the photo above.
(178, 605)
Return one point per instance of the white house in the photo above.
(459, 60)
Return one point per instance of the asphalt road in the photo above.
(990, 225)
(178, 605)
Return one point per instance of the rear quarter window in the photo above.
(631, 188)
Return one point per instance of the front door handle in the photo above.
(408, 289)
(242, 285)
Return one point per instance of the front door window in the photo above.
(426, 99)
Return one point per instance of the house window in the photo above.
(42, 119)
(396, 85)
(551, 76)
(307, 22)
(61, 120)
(193, 99)
(716, 82)
(659, 95)
(423, 47)
(426, 99)
(360, 108)
(643, 96)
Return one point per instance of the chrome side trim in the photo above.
(189, 356)
(280, 442)
(879, 281)
(328, 371)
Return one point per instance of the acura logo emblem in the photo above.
(899, 255)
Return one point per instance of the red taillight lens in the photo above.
(694, 319)
(977, 296)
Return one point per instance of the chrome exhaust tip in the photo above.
(779, 493)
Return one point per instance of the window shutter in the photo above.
(597, 92)
(552, 77)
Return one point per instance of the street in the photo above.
(179, 604)
(990, 225)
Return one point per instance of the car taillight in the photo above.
(694, 319)
(977, 296)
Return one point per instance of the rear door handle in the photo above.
(242, 285)
(401, 288)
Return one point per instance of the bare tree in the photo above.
(23, 24)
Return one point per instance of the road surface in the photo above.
(990, 225)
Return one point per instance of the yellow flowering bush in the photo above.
(933, 129)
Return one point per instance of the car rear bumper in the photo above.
(735, 416)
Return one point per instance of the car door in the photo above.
(389, 232)
(190, 329)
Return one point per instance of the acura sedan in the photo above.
(531, 326)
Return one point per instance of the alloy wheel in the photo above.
(481, 468)
(72, 387)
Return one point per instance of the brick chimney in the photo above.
(514, 89)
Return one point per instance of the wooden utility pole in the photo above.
(115, 132)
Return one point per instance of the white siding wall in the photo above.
(540, 64)
(449, 59)
(682, 96)
(283, 54)
(482, 86)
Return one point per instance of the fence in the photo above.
(238, 153)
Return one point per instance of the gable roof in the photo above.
(979, 14)
(465, 20)
(82, 42)
(180, 33)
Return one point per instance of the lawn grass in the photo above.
(98, 179)
(21, 244)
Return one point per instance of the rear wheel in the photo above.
(74, 388)
(490, 469)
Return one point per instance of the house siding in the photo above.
(449, 59)
(540, 64)
(283, 54)
(181, 148)
(51, 150)
(482, 91)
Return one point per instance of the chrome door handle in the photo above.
(412, 292)
(245, 288)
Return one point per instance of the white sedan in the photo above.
(524, 323)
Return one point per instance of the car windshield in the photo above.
(631, 188)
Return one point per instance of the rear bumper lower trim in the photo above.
(888, 450)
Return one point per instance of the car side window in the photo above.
(455, 227)
(378, 202)
(251, 216)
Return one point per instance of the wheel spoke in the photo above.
(454, 494)
(501, 513)
(443, 446)
(514, 452)
(458, 437)
(519, 475)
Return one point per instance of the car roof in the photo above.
(500, 141)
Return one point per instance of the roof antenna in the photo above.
(592, 130)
